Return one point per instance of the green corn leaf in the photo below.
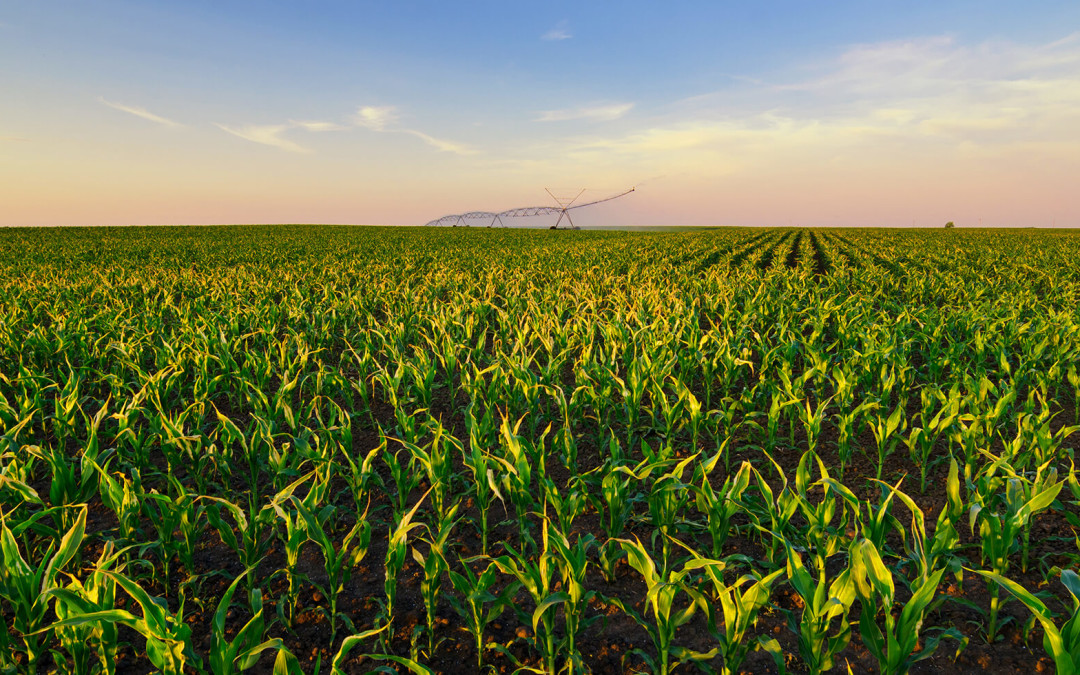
(874, 569)
(550, 601)
(907, 628)
(1052, 637)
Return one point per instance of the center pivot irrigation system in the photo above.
(491, 218)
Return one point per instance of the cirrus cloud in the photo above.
(375, 118)
(596, 113)
(139, 112)
(266, 134)
(272, 134)
(560, 32)
(990, 96)
(316, 126)
(384, 119)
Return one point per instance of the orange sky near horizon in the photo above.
(916, 130)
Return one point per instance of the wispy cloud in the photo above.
(911, 97)
(444, 146)
(316, 126)
(383, 119)
(139, 112)
(375, 118)
(14, 139)
(270, 134)
(561, 31)
(597, 113)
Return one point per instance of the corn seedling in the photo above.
(885, 431)
(1001, 508)
(435, 566)
(395, 558)
(1062, 642)
(825, 603)
(740, 603)
(662, 589)
(477, 602)
(718, 506)
(168, 638)
(243, 650)
(895, 646)
(24, 584)
(538, 579)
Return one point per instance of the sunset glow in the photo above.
(887, 114)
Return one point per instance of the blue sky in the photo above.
(850, 113)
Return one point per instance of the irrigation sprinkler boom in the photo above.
(565, 205)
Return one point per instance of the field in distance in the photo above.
(318, 448)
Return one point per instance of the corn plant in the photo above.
(770, 513)
(1001, 516)
(168, 638)
(822, 536)
(90, 641)
(929, 553)
(171, 515)
(361, 477)
(243, 650)
(885, 431)
(483, 486)
(435, 566)
(125, 496)
(351, 642)
(405, 476)
(662, 587)
(1044, 482)
(740, 603)
(434, 460)
(24, 585)
(719, 506)
(845, 426)
(538, 579)
(397, 546)
(877, 521)
(250, 539)
(617, 497)
(895, 646)
(825, 603)
(615, 505)
(477, 601)
(921, 440)
(566, 504)
(338, 561)
(573, 562)
(724, 426)
(1036, 442)
(812, 419)
(1062, 643)
(1074, 379)
(294, 536)
(667, 496)
(516, 477)
(778, 402)
(68, 487)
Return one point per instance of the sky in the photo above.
(846, 113)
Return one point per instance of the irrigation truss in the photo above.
(493, 218)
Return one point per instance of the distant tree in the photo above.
(949, 225)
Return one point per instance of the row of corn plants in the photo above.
(332, 449)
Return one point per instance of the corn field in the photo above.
(298, 449)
